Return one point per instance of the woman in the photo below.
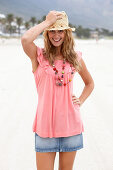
(57, 125)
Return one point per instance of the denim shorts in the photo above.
(58, 144)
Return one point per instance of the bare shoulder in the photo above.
(84, 73)
(34, 60)
(35, 63)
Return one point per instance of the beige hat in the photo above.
(61, 24)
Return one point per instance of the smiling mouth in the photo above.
(56, 40)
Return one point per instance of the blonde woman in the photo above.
(57, 125)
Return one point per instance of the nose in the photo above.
(56, 34)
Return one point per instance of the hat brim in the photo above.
(61, 28)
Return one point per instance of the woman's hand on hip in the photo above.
(76, 100)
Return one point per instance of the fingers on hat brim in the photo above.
(59, 14)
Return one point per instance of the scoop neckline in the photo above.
(58, 60)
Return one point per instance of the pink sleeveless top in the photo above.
(56, 114)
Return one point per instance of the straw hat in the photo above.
(61, 24)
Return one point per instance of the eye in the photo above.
(60, 30)
(51, 31)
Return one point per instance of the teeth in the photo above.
(56, 40)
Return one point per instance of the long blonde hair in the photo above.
(67, 49)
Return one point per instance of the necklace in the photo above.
(59, 80)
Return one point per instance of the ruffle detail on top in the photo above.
(58, 63)
(43, 63)
(47, 67)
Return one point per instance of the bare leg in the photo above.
(66, 160)
(45, 160)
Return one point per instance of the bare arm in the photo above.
(30, 35)
(88, 81)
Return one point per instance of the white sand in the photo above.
(18, 101)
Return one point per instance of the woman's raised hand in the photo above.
(53, 16)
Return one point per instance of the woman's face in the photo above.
(56, 37)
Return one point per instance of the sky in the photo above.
(88, 13)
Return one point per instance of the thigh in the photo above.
(66, 160)
(45, 161)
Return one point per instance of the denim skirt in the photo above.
(58, 144)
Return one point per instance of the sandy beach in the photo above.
(18, 102)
